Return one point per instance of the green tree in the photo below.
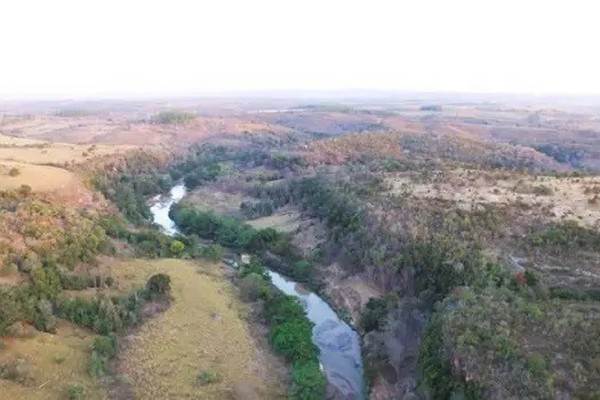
(177, 247)
(309, 382)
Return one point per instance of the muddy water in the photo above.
(338, 343)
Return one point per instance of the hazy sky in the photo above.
(89, 47)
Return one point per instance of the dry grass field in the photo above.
(203, 333)
(213, 199)
(48, 364)
(41, 178)
(545, 197)
(283, 221)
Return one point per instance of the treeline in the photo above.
(449, 253)
(129, 182)
(290, 331)
(275, 248)
(109, 316)
(55, 240)
(437, 254)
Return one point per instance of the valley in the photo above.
(433, 247)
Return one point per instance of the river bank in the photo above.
(339, 345)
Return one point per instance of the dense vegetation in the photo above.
(274, 247)
(291, 333)
(108, 316)
(173, 117)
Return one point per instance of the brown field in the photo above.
(213, 199)
(41, 178)
(204, 330)
(51, 362)
(283, 221)
(546, 197)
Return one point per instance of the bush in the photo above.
(373, 316)
(172, 117)
(177, 247)
(212, 252)
(105, 346)
(255, 268)
(75, 282)
(10, 308)
(303, 270)
(75, 392)
(44, 319)
(542, 190)
(252, 210)
(98, 366)
(45, 283)
(159, 285)
(309, 382)
(208, 377)
(253, 287)
(293, 339)
(16, 371)
(25, 190)
(14, 171)
(102, 314)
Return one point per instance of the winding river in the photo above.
(339, 344)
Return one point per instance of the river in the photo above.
(339, 344)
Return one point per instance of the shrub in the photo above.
(293, 339)
(75, 392)
(309, 382)
(59, 358)
(177, 247)
(212, 252)
(101, 314)
(28, 262)
(172, 117)
(542, 190)
(253, 286)
(208, 377)
(98, 365)
(374, 314)
(252, 210)
(44, 319)
(10, 308)
(105, 346)
(25, 190)
(159, 285)
(74, 282)
(536, 364)
(45, 283)
(14, 171)
(303, 270)
(255, 268)
(16, 371)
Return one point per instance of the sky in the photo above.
(134, 48)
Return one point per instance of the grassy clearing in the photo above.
(281, 221)
(201, 347)
(57, 153)
(50, 364)
(211, 199)
(549, 197)
(40, 178)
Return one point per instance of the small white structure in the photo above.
(245, 259)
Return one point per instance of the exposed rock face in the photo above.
(395, 352)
